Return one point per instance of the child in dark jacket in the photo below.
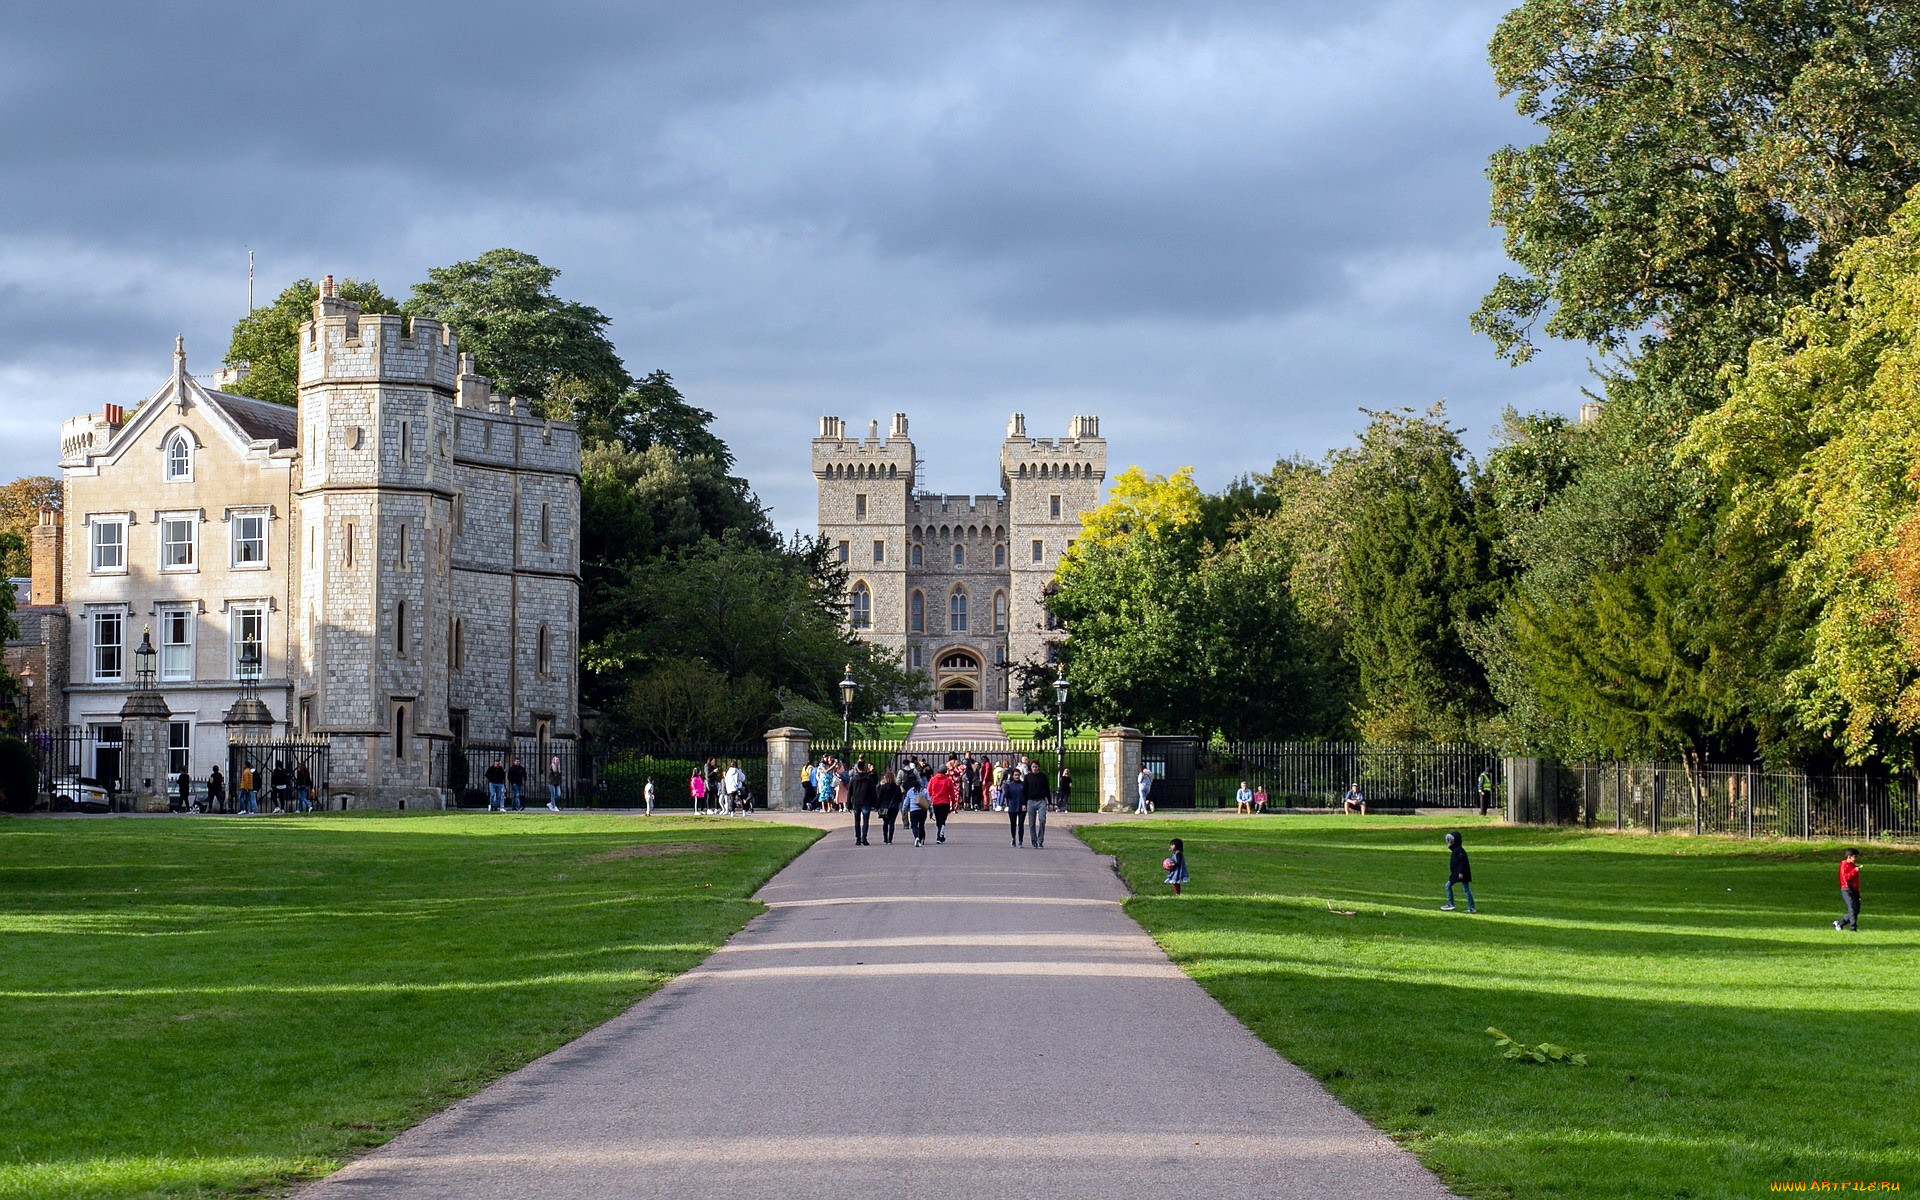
(1458, 871)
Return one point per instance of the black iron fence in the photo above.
(577, 775)
(288, 775)
(1318, 774)
(1082, 758)
(1743, 800)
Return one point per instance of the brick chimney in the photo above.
(47, 560)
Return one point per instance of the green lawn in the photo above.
(1024, 727)
(1735, 1039)
(211, 1006)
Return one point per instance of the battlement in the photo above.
(341, 344)
(925, 504)
(837, 456)
(89, 433)
(1082, 454)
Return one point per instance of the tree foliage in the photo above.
(20, 505)
(268, 339)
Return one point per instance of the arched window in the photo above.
(399, 731)
(999, 612)
(861, 607)
(959, 660)
(1000, 555)
(959, 555)
(916, 554)
(917, 613)
(957, 611)
(179, 458)
(453, 643)
(542, 651)
(400, 628)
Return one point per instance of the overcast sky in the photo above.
(1222, 227)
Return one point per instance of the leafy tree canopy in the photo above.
(268, 339)
(20, 505)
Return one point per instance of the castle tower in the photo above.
(375, 500)
(865, 487)
(1048, 485)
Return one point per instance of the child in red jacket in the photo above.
(1850, 890)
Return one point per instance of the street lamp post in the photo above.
(847, 690)
(1059, 725)
(143, 660)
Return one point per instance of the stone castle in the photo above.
(399, 555)
(955, 584)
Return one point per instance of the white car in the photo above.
(80, 794)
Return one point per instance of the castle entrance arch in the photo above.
(957, 679)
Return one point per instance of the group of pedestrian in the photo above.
(288, 787)
(506, 780)
(725, 787)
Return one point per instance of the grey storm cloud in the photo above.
(1224, 227)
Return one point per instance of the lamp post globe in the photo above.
(143, 659)
(848, 688)
(1059, 725)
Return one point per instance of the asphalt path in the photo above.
(959, 1020)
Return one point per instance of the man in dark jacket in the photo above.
(516, 783)
(1037, 798)
(1013, 796)
(863, 794)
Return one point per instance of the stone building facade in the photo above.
(401, 549)
(954, 585)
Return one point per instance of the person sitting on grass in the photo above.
(1458, 871)
(1243, 799)
(1260, 798)
(1355, 801)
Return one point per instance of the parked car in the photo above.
(77, 793)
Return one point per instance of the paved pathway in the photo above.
(936, 728)
(966, 1020)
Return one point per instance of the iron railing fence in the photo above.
(1744, 800)
(277, 764)
(596, 775)
(1317, 774)
(1082, 758)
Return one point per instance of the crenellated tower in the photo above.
(865, 488)
(1048, 484)
(376, 499)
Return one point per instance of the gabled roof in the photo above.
(260, 420)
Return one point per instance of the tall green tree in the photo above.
(524, 336)
(20, 505)
(268, 339)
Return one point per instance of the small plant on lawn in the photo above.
(1545, 1052)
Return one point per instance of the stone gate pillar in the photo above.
(788, 749)
(143, 755)
(1119, 765)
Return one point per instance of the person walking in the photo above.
(734, 784)
(247, 798)
(497, 786)
(1175, 864)
(1037, 790)
(516, 782)
(1485, 786)
(940, 793)
(216, 790)
(646, 794)
(697, 788)
(183, 792)
(1459, 871)
(842, 785)
(1243, 799)
(1063, 795)
(1013, 797)
(282, 787)
(1145, 784)
(917, 802)
(303, 789)
(555, 779)
(1037, 808)
(809, 790)
(863, 794)
(887, 798)
(1850, 890)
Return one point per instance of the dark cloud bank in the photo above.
(1223, 227)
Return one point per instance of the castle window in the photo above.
(1000, 555)
(999, 612)
(1039, 550)
(917, 613)
(246, 627)
(179, 541)
(346, 541)
(399, 731)
(1054, 508)
(108, 633)
(250, 540)
(959, 556)
(913, 657)
(546, 524)
(957, 611)
(109, 544)
(455, 651)
(179, 459)
(916, 555)
(176, 644)
(543, 651)
(879, 550)
(406, 443)
(843, 552)
(1053, 652)
(860, 506)
(860, 606)
(400, 544)
(400, 629)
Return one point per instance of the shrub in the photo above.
(19, 776)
